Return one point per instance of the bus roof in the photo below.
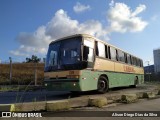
(87, 35)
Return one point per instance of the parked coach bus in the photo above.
(82, 63)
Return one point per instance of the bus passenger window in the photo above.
(141, 63)
(121, 55)
(96, 48)
(113, 53)
(129, 59)
(125, 57)
(117, 56)
(109, 52)
(101, 49)
(136, 61)
(106, 51)
(133, 61)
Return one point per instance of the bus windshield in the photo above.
(63, 54)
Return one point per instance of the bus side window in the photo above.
(109, 52)
(117, 56)
(96, 48)
(136, 62)
(121, 55)
(141, 63)
(125, 58)
(88, 54)
(129, 59)
(106, 51)
(133, 61)
(101, 49)
(113, 53)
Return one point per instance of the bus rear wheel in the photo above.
(103, 85)
(135, 82)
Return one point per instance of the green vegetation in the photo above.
(33, 59)
(58, 105)
(148, 95)
(97, 102)
(19, 88)
(129, 98)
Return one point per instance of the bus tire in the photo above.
(135, 82)
(103, 85)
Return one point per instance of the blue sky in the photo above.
(28, 26)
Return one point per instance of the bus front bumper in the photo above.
(62, 84)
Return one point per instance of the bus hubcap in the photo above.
(102, 85)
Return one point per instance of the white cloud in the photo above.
(111, 4)
(138, 10)
(32, 43)
(80, 7)
(18, 53)
(122, 19)
(60, 25)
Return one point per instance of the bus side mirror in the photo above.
(85, 53)
(86, 50)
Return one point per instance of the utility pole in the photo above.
(0, 66)
(35, 74)
(148, 72)
(10, 59)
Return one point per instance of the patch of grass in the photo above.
(129, 98)
(22, 73)
(19, 88)
(58, 106)
(148, 95)
(8, 88)
(97, 102)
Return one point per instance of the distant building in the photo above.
(156, 54)
(149, 69)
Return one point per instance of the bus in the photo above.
(82, 62)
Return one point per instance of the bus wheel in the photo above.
(135, 82)
(103, 85)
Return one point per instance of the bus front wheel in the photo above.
(103, 85)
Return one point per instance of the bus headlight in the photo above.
(74, 84)
(73, 76)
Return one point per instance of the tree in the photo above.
(33, 59)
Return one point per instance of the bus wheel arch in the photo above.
(103, 84)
